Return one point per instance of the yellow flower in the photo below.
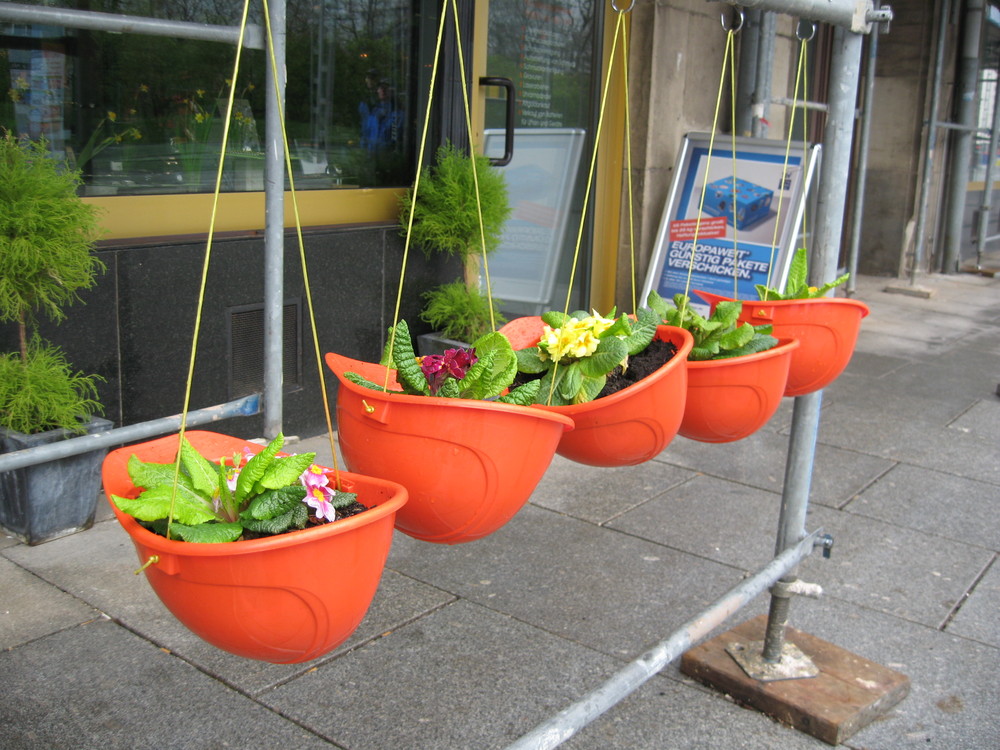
(112, 115)
(143, 88)
(575, 339)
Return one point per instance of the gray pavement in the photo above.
(471, 646)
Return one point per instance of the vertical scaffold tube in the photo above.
(837, 141)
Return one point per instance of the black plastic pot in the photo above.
(46, 501)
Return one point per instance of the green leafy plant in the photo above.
(46, 236)
(446, 218)
(42, 392)
(485, 371)
(577, 352)
(266, 494)
(460, 313)
(797, 285)
(717, 337)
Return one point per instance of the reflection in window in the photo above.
(145, 114)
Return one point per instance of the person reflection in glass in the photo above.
(381, 121)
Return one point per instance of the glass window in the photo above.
(141, 114)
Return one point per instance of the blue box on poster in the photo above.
(750, 204)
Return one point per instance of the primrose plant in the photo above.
(577, 352)
(797, 285)
(218, 502)
(484, 371)
(718, 337)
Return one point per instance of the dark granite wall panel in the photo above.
(136, 325)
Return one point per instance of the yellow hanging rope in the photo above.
(416, 184)
(205, 264)
(619, 32)
(302, 248)
(730, 47)
(475, 171)
(799, 81)
(628, 167)
(593, 160)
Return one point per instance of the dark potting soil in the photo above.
(640, 365)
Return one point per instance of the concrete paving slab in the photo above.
(910, 441)
(759, 461)
(977, 619)
(97, 566)
(933, 502)
(668, 714)
(870, 364)
(982, 419)
(907, 573)
(99, 686)
(898, 405)
(600, 495)
(596, 586)
(464, 676)
(724, 521)
(31, 609)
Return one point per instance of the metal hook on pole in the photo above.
(801, 29)
(615, 7)
(732, 26)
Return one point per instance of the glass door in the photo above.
(551, 52)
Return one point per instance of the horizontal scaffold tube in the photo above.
(570, 720)
(243, 407)
(123, 24)
(853, 15)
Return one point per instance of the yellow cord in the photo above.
(204, 269)
(475, 172)
(416, 186)
(788, 148)
(730, 35)
(302, 248)
(628, 172)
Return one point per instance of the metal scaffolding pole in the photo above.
(122, 24)
(791, 538)
(274, 228)
(837, 142)
(274, 250)
(243, 407)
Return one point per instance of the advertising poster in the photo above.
(731, 219)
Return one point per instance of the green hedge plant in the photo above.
(46, 236)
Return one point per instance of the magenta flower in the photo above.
(318, 498)
(454, 363)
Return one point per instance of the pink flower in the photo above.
(314, 476)
(454, 362)
(318, 498)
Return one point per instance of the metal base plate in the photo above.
(794, 664)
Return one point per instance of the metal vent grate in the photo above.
(246, 349)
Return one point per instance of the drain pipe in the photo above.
(925, 185)
(986, 207)
(274, 231)
(961, 154)
(765, 62)
(746, 74)
(864, 137)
